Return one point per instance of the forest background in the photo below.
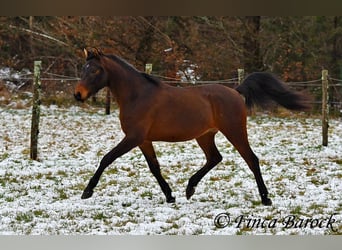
(296, 48)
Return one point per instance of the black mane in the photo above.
(151, 78)
(130, 67)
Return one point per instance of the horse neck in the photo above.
(125, 84)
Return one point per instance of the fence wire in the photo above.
(334, 83)
(61, 78)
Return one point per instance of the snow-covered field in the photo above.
(43, 197)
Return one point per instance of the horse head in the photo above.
(93, 77)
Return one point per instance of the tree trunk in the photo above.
(251, 46)
(336, 56)
(31, 35)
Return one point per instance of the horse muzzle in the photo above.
(78, 97)
(81, 93)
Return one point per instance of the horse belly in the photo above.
(181, 124)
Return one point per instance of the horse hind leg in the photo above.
(151, 158)
(238, 137)
(213, 156)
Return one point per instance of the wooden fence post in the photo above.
(325, 107)
(241, 75)
(108, 101)
(35, 110)
(148, 68)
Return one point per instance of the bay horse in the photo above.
(151, 110)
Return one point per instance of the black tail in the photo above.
(261, 88)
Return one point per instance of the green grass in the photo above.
(147, 194)
(61, 194)
(41, 213)
(99, 216)
(4, 156)
(24, 217)
(296, 210)
(9, 199)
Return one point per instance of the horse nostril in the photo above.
(78, 96)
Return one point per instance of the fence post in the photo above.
(35, 110)
(108, 101)
(241, 75)
(148, 68)
(325, 107)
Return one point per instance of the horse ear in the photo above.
(97, 52)
(92, 53)
(85, 53)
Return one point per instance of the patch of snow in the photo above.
(43, 197)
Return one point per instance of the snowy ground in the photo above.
(43, 197)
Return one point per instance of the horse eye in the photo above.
(95, 71)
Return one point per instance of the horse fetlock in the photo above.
(190, 190)
(87, 194)
(265, 200)
(171, 199)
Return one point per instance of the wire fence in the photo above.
(64, 83)
(61, 78)
(46, 77)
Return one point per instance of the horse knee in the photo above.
(218, 158)
(215, 159)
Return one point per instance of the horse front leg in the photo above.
(123, 147)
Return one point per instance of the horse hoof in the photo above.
(189, 192)
(171, 200)
(266, 202)
(86, 194)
